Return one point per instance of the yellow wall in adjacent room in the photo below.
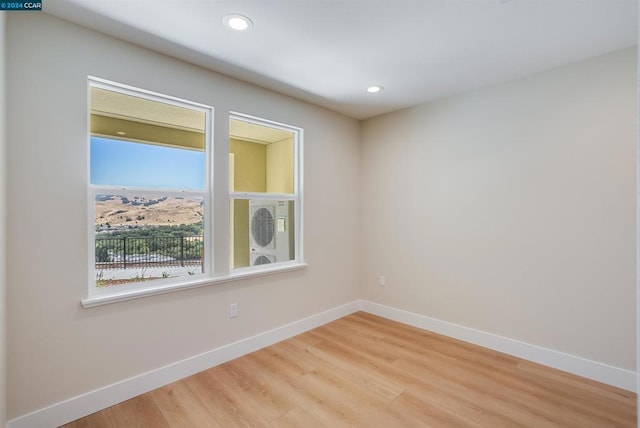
(280, 167)
(240, 233)
(249, 176)
(257, 168)
(250, 168)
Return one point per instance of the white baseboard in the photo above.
(85, 404)
(615, 376)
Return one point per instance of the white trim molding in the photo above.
(238, 274)
(85, 404)
(594, 370)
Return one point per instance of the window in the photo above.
(264, 192)
(151, 195)
(149, 189)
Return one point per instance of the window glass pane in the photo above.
(131, 164)
(149, 177)
(263, 232)
(263, 158)
(142, 238)
(140, 142)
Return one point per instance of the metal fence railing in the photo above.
(157, 251)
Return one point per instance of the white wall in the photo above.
(511, 209)
(3, 286)
(57, 349)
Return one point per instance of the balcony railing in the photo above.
(142, 252)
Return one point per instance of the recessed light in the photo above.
(237, 22)
(121, 133)
(374, 89)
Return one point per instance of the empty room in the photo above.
(372, 213)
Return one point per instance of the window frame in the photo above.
(96, 293)
(212, 275)
(296, 196)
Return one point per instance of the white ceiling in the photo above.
(328, 51)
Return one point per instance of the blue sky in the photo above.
(123, 163)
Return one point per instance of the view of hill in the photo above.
(117, 212)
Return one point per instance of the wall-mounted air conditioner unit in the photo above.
(268, 231)
(262, 259)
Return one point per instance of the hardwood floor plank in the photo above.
(296, 418)
(366, 371)
(222, 402)
(494, 388)
(254, 392)
(139, 412)
(608, 392)
(336, 333)
(309, 337)
(286, 352)
(370, 381)
(347, 398)
(525, 389)
(102, 419)
(391, 415)
(433, 412)
(181, 408)
(356, 327)
(309, 396)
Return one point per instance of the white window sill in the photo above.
(235, 275)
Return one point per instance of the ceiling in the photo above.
(255, 133)
(329, 51)
(118, 105)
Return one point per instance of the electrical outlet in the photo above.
(233, 310)
(381, 282)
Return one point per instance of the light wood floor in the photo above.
(370, 372)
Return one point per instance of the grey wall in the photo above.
(58, 350)
(511, 209)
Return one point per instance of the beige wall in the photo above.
(3, 402)
(511, 209)
(58, 350)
